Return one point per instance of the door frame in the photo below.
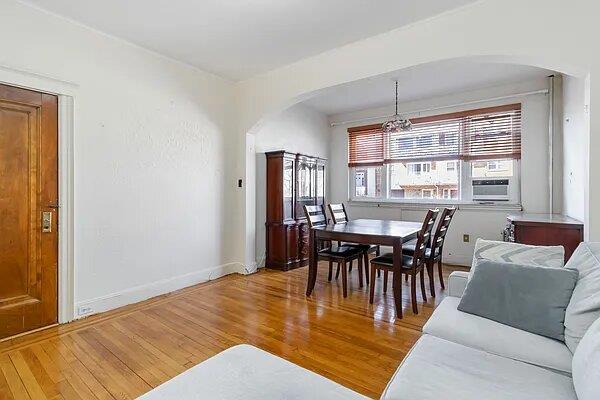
(67, 93)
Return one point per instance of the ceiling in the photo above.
(421, 82)
(241, 38)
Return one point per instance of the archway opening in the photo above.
(551, 176)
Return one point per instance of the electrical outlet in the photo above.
(466, 238)
(84, 310)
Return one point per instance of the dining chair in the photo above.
(434, 250)
(340, 216)
(412, 265)
(340, 254)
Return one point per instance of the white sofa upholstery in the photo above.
(470, 357)
(439, 369)
(457, 283)
(495, 338)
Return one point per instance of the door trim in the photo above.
(66, 218)
(67, 94)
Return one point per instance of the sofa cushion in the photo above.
(438, 369)
(448, 323)
(523, 296)
(584, 307)
(245, 372)
(586, 364)
(540, 256)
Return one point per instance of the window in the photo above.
(409, 180)
(427, 193)
(492, 169)
(439, 157)
(450, 194)
(417, 168)
(367, 182)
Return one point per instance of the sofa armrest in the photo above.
(457, 282)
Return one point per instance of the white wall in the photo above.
(490, 223)
(574, 146)
(299, 129)
(150, 144)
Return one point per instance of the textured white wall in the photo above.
(574, 146)
(150, 140)
(490, 223)
(299, 129)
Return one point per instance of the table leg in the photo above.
(397, 278)
(312, 261)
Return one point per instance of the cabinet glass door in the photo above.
(305, 190)
(320, 184)
(288, 189)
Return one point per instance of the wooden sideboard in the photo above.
(545, 230)
(293, 180)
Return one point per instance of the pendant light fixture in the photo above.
(396, 124)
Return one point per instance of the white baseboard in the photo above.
(459, 259)
(250, 268)
(153, 289)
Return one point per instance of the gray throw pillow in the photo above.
(526, 297)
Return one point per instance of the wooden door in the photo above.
(28, 193)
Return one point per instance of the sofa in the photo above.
(459, 356)
(463, 356)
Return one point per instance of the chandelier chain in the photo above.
(397, 124)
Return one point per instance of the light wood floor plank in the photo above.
(15, 382)
(30, 381)
(39, 374)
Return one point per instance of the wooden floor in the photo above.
(126, 352)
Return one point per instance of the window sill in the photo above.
(423, 205)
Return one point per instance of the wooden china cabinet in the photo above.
(293, 180)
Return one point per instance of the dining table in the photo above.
(364, 231)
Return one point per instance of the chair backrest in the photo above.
(437, 243)
(315, 215)
(424, 237)
(338, 213)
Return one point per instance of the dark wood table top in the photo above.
(369, 231)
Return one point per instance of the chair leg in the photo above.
(330, 275)
(399, 292)
(413, 293)
(440, 272)
(372, 288)
(422, 279)
(431, 280)
(337, 271)
(385, 279)
(406, 278)
(366, 265)
(379, 273)
(344, 279)
(350, 267)
(360, 272)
